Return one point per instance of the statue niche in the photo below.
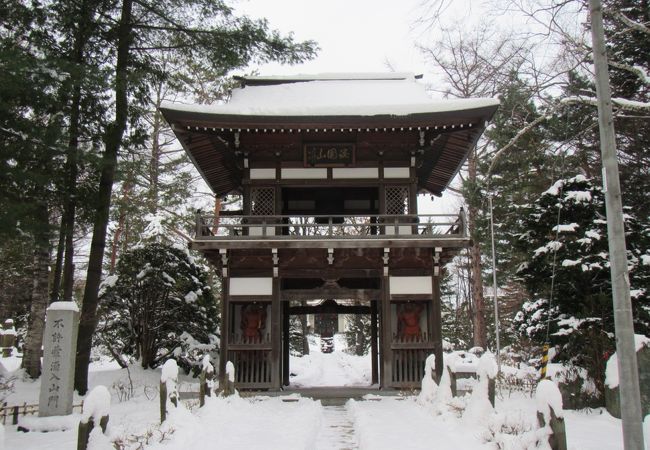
(408, 325)
(253, 322)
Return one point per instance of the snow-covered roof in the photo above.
(334, 95)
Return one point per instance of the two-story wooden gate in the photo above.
(329, 170)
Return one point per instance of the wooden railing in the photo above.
(425, 226)
(9, 414)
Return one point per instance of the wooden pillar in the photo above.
(276, 338)
(386, 352)
(276, 327)
(225, 317)
(373, 342)
(285, 343)
(436, 316)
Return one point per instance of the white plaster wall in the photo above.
(355, 172)
(410, 285)
(304, 174)
(262, 174)
(251, 286)
(397, 172)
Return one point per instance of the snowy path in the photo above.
(401, 424)
(336, 431)
(330, 369)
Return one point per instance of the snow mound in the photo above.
(548, 396)
(96, 405)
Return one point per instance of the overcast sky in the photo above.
(354, 36)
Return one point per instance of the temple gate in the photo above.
(329, 169)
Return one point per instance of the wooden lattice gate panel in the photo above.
(397, 200)
(263, 201)
(408, 367)
(252, 368)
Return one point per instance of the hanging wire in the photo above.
(547, 341)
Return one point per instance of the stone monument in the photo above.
(612, 399)
(59, 350)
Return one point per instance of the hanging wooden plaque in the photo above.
(329, 155)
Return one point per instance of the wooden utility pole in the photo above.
(624, 327)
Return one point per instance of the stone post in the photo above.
(229, 385)
(59, 349)
(8, 338)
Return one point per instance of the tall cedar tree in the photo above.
(195, 30)
(30, 154)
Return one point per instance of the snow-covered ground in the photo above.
(292, 422)
(338, 368)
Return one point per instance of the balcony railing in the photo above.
(425, 226)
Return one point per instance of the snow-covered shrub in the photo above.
(158, 305)
(514, 430)
(581, 315)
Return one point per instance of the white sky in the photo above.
(355, 36)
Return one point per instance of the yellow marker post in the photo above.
(544, 361)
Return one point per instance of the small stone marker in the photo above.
(612, 396)
(8, 338)
(229, 387)
(168, 387)
(59, 349)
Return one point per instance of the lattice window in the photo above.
(263, 201)
(397, 200)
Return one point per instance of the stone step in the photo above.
(337, 430)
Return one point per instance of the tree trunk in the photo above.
(305, 332)
(58, 266)
(478, 316)
(36, 321)
(121, 223)
(113, 140)
(72, 153)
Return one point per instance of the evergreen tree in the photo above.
(158, 305)
(579, 315)
(357, 334)
(203, 31)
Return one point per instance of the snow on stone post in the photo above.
(480, 404)
(550, 414)
(612, 394)
(168, 387)
(59, 349)
(487, 373)
(229, 388)
(429, 385)
(206, 383)
(95, 411)
(8, 338)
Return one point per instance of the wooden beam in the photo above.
(329, 309)
(341, 293)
